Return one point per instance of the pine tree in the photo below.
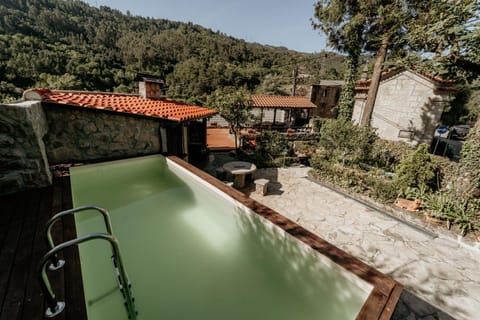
(343, 22)
(449, 29)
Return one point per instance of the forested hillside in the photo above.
(71, 45)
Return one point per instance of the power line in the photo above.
(305, 60)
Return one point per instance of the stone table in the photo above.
(239, 169)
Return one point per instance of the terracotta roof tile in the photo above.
(161, 108)
(268, 101)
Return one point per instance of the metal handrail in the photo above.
(55, 307)
(56, 262)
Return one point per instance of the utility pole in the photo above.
(323, 66)
(295, 75)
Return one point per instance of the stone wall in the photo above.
(23, 160)
(85, 135)
(217, 121)
(325, 97)
(408, 108)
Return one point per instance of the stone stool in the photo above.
(261, 186)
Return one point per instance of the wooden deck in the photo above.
(219, 139)
(23, 217)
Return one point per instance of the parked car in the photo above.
(459, 132)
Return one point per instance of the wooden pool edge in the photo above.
(386, 292)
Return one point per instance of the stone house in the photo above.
(53, 126)
(408, 106)
(325, 96)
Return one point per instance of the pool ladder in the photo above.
(55, 307)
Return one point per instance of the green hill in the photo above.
(71, 45)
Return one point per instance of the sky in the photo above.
(285, 23)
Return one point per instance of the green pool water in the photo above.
(191, 252)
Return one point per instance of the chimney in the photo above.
(149, 87)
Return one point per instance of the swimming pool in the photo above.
(197, 249)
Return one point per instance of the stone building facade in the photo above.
(325, 96)
(408, 106)
(81, 135)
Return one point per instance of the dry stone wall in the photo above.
(84, 135)
(23, 160)
(34, 136)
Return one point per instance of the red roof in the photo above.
(133, 104)
(267, 101)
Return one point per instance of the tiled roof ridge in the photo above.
(364, 85)
(434, 77)
(278, 101)
(278, 96)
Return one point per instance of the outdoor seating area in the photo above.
(241, 172)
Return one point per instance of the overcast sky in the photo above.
(275, 22)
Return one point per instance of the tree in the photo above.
(356, 26)
(100, 49)
(386, 21)
(234, 105)
(417, 170)
(450, 31)
(272, 84)
(343, 22)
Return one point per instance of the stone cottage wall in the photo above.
(85, 135)
(408, 108)
(325, 97)
(23, 160)
(217, 121)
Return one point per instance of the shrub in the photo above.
(454, 210)
(385, 191)
(417, 170)
(280, 162)
(346, 142)
(470, 163)
(305, 147)
(388, 154)
(447, 172)
(371, 183)
(271, 144)
(316, 124)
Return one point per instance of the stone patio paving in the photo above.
(441, 276)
